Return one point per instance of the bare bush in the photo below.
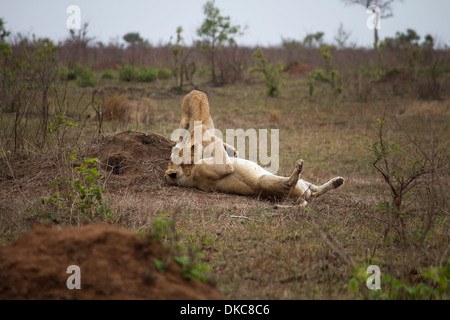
(28, 81)
(410, 166)
(232, 62)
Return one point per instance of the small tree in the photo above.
(385, 11)
(133, 39)
(79, 41)
(271, 74)
(328, 75)
(428, 42)
(3, 32)
(342, 37)
(402, 40)
(410, 37)
(215, 31)
(313, 40)
(177, 50)
(180, 58)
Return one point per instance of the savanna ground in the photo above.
(251, 248)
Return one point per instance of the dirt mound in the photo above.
(134, 156)
(114, 264)
(299, 68)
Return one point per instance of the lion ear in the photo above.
(169, 171)
(187, 169)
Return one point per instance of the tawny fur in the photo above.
(243, 177)
(195, 107)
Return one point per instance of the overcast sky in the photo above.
(267, 21)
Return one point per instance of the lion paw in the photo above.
(299, 165)
(338, 182)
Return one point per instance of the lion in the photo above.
(242, 177)
(195, 109)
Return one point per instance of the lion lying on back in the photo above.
(221, 170)
(222, 173)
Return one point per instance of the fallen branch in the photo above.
(244, 217)
(337, 247)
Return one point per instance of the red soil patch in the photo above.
(299, 68)
(114, 264)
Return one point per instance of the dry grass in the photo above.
(274, 117)
(118, 108)
(115, 108)
(258, 249)
(142, 111)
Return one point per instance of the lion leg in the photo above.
(330, 185)
(184, 123)
(292, 181)
(206, 168)
(279, 187)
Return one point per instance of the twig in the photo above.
(337, 247)
(244, 217)
(282, 206)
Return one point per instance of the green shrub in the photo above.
(141, 74)
(84, 192)
(107, 74)
(71, 72)
(86, 79)
(146, 75)
(66, 74)
(87, 191)
(192, 269)
(191, 264)
(127, 73)
(330, 75)
(164, 73)
(272, 74)
(432, 284)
